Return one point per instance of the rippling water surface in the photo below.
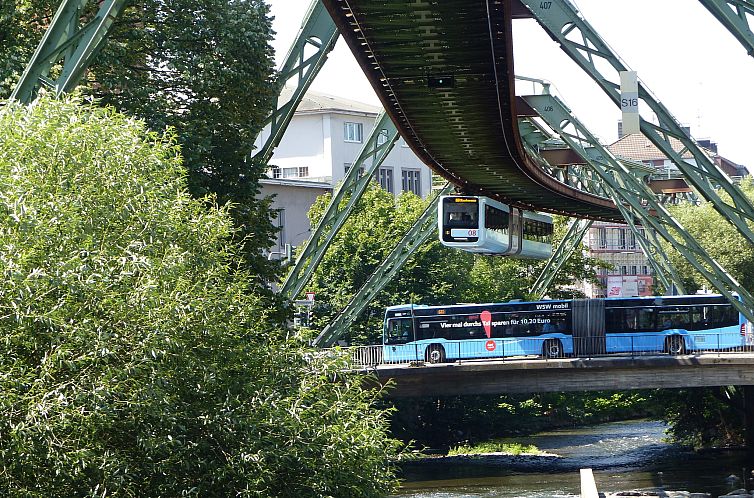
(624, 456)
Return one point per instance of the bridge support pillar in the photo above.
(748, 392)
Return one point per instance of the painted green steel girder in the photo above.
(641, 203)
(565, 249)
(70, 43)
(657, 258)
(424, 227)
(373, 153)
(307, 55)
(581, 42)
(733, 15)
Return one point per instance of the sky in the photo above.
(682, 54)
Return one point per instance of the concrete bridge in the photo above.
(566, 374)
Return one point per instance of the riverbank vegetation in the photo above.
(488, 447)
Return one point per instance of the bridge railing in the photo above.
(549, 348)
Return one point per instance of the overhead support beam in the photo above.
(581, 42)
(661, 265)
(733, 15)
(424, 228)
(565, 249)
(379, 144)
(67, 42)
(640, 202)
(307, 55)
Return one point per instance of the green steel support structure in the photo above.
(580, 41)
(657, 258)
(567, 246)
(307, 55)
(70, 43)
(376, 148)
(424, 228)
(733, 15)
(640, 201)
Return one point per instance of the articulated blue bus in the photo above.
(582, 327)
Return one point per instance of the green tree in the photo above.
(202, 67)
(702, 417)
(134, 360)
(719, 238)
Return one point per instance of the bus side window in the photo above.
(614, 320)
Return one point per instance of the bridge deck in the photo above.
(444, 73)
(570, 374)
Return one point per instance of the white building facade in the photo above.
(319, 146)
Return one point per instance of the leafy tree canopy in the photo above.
(719, 238)
(134, 360)
(202, 67)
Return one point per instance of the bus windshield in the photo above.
(399, 331)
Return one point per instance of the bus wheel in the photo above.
(675, 345)
(435, 354)
(552, 348)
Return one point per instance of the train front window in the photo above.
(399, 331)
(461, 213)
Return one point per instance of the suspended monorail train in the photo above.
(485, 226)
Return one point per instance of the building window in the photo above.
(633, 270)
(603, 238)
(631, 241)
(411, 179)
(382, 137)
(347, 168)
(622, 235)
(280, 224)
(293, 172)
(353, 132)
(385, 178)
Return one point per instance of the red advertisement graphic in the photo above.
(486, 317)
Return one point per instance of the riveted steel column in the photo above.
(373, 153)
(732, 14)
(581, 42)
(567, 246)
(307, 55)
(64, 39)
(418, 234)
(640, 201)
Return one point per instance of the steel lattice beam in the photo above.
(640, 201)
(70, 43)
(565, 249)
(373, 153)
(307, 55)
(418, 234)
(581, 42)
(733, 15)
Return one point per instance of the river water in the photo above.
(624, 456)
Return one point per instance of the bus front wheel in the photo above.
(435, 354)
(675, 345)
(552, 348)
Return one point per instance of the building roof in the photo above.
(296, 182)
(316, 102)
(638, 147)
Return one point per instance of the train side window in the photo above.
(496, 219)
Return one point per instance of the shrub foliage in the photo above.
(134, 360)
